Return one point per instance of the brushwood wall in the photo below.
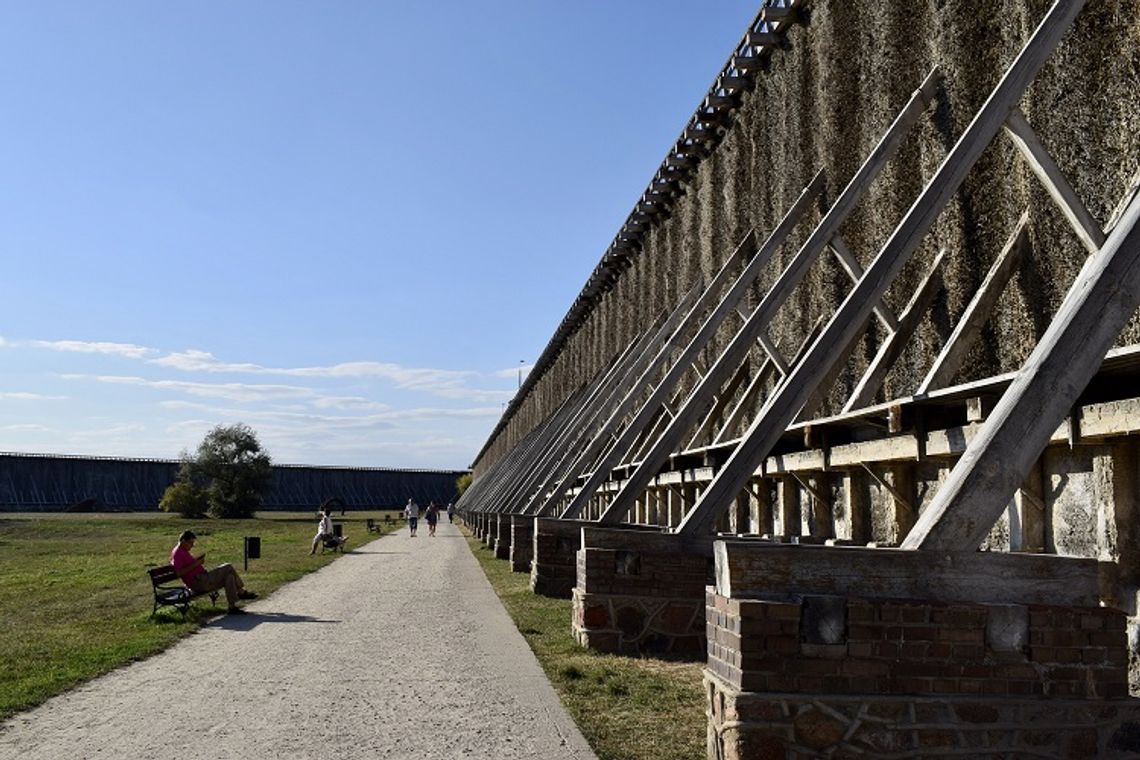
(823, 103)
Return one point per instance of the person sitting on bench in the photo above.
(325, 532)
(192, 570)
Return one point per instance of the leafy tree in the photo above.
(462, 482)
(232, 470)
(183, 497)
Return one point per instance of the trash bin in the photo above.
(253, 547)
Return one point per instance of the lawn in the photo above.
(628, 708)
(75, 598)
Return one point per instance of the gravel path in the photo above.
(399, 649)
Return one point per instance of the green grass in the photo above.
(75, 599)
(627, 708)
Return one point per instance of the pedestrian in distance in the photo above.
(325, 531)
(432, 517)
(192, 570)
(450, 511)
(412, 512)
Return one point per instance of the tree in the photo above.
(232, 470)
(462, 482)
(183, 497)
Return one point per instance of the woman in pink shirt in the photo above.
(192, 570)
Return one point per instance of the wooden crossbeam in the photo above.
(854, 270)
(1100, 302)
(892, 348)
(977, 313)
(855, 311)
(746, 400)
(1054, 180)
(723, 399)
(772, 351)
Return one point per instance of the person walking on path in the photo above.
(432, 517)
(412, 512)
(192, 570)
(450, 511)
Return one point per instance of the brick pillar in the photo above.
(522, 543)
(804, 661)
(502, 536)
(639, 592)
(553, 569)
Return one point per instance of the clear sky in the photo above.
(347, 224)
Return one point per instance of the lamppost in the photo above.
(521, 363)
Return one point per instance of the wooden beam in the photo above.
(751, 569)
(762, 39)
(854, 312)
(1101, 301)
(854, 270)
(957, 348)
(892, 348)
(1054, 180)
(774, 14)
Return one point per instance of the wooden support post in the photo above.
(1046, 169)
(957, 348)
(762, 507)
(788, 508)
(892, 348)
(1029, 504)
(1097, 306)
(857, 505)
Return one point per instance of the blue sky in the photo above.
(346, 224)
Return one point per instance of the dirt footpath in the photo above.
(399, 649)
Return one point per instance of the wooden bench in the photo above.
(372, 526)
(169, 590)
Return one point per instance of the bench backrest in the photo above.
(163, 574)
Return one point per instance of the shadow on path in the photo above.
(251, 620)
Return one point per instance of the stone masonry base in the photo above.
(780, 725)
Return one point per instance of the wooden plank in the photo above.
(751, 569)
(953, 355)
(892, 348)
(1100, 302)
(852, 315)
(1054, 180)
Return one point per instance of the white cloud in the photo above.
(128, 350)
(24, 396)
(440, 382)
(27, 428)
(229, 391)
